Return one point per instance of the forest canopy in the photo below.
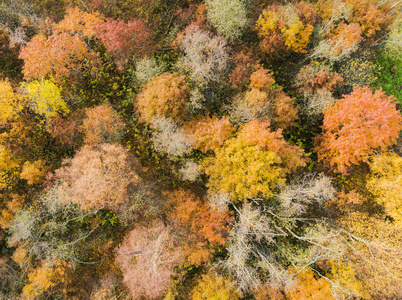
(200, 149)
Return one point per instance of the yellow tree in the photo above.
(214, 287)
(374, 254)
(48, 278)
(9, 104)
(34, 172)
(385, 183)
(286, 27)
(8, 168)
(253, 163)
(45, 98)
(310, 287)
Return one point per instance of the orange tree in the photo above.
(357, 125)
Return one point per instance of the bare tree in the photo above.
(205, 56)
(169, 138)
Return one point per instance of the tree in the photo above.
(44, 97)
(258, 133)
(253, 163)
(310, 287)
(147, 258)
(205, 56)
(147, 68)
(228, 17)
(125, 40)
(79, 22)
(67, 129)
(200, 226)
(10, 106)
(244, 170)
(394, 41)
(357, 125)
(372, 18)
(215, 287)
(389, 78)
(296, 197)
(190, 171)
(360, 71)
(244, 63)
(34, 172)
(102, 125)
(286, 27)
(9, 167)
(169, 138)
(265, 101)
(98, 177)
(251, 249)
(52, 229)
(343, 41)
(163, 96)
(25, 137)
(268, 292)
(197, 216)
(14, 204)
(210, 133)
(345, 281)
(49, 278)
(283, 111)
(316, 82)
(59, 55)
(385, 183)
(374, 254)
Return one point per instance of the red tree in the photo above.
(124, 40)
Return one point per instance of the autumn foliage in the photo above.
(45, 98)
(210, 133)
(163, 96)
(214, 286)
(287, 27)
(340, 42)
(147, 257)
(9, 103)
(217, 149)
(357, 125)
(34, 172)
(385, 183)
(317, 82)
(125, 40)
(102, 125)
(48, 278)
(191, 212)
(253, 163)
(310, 286)
(59, 55)
(79, 22)
(371, 17)
(264, 101)
(98, 177)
